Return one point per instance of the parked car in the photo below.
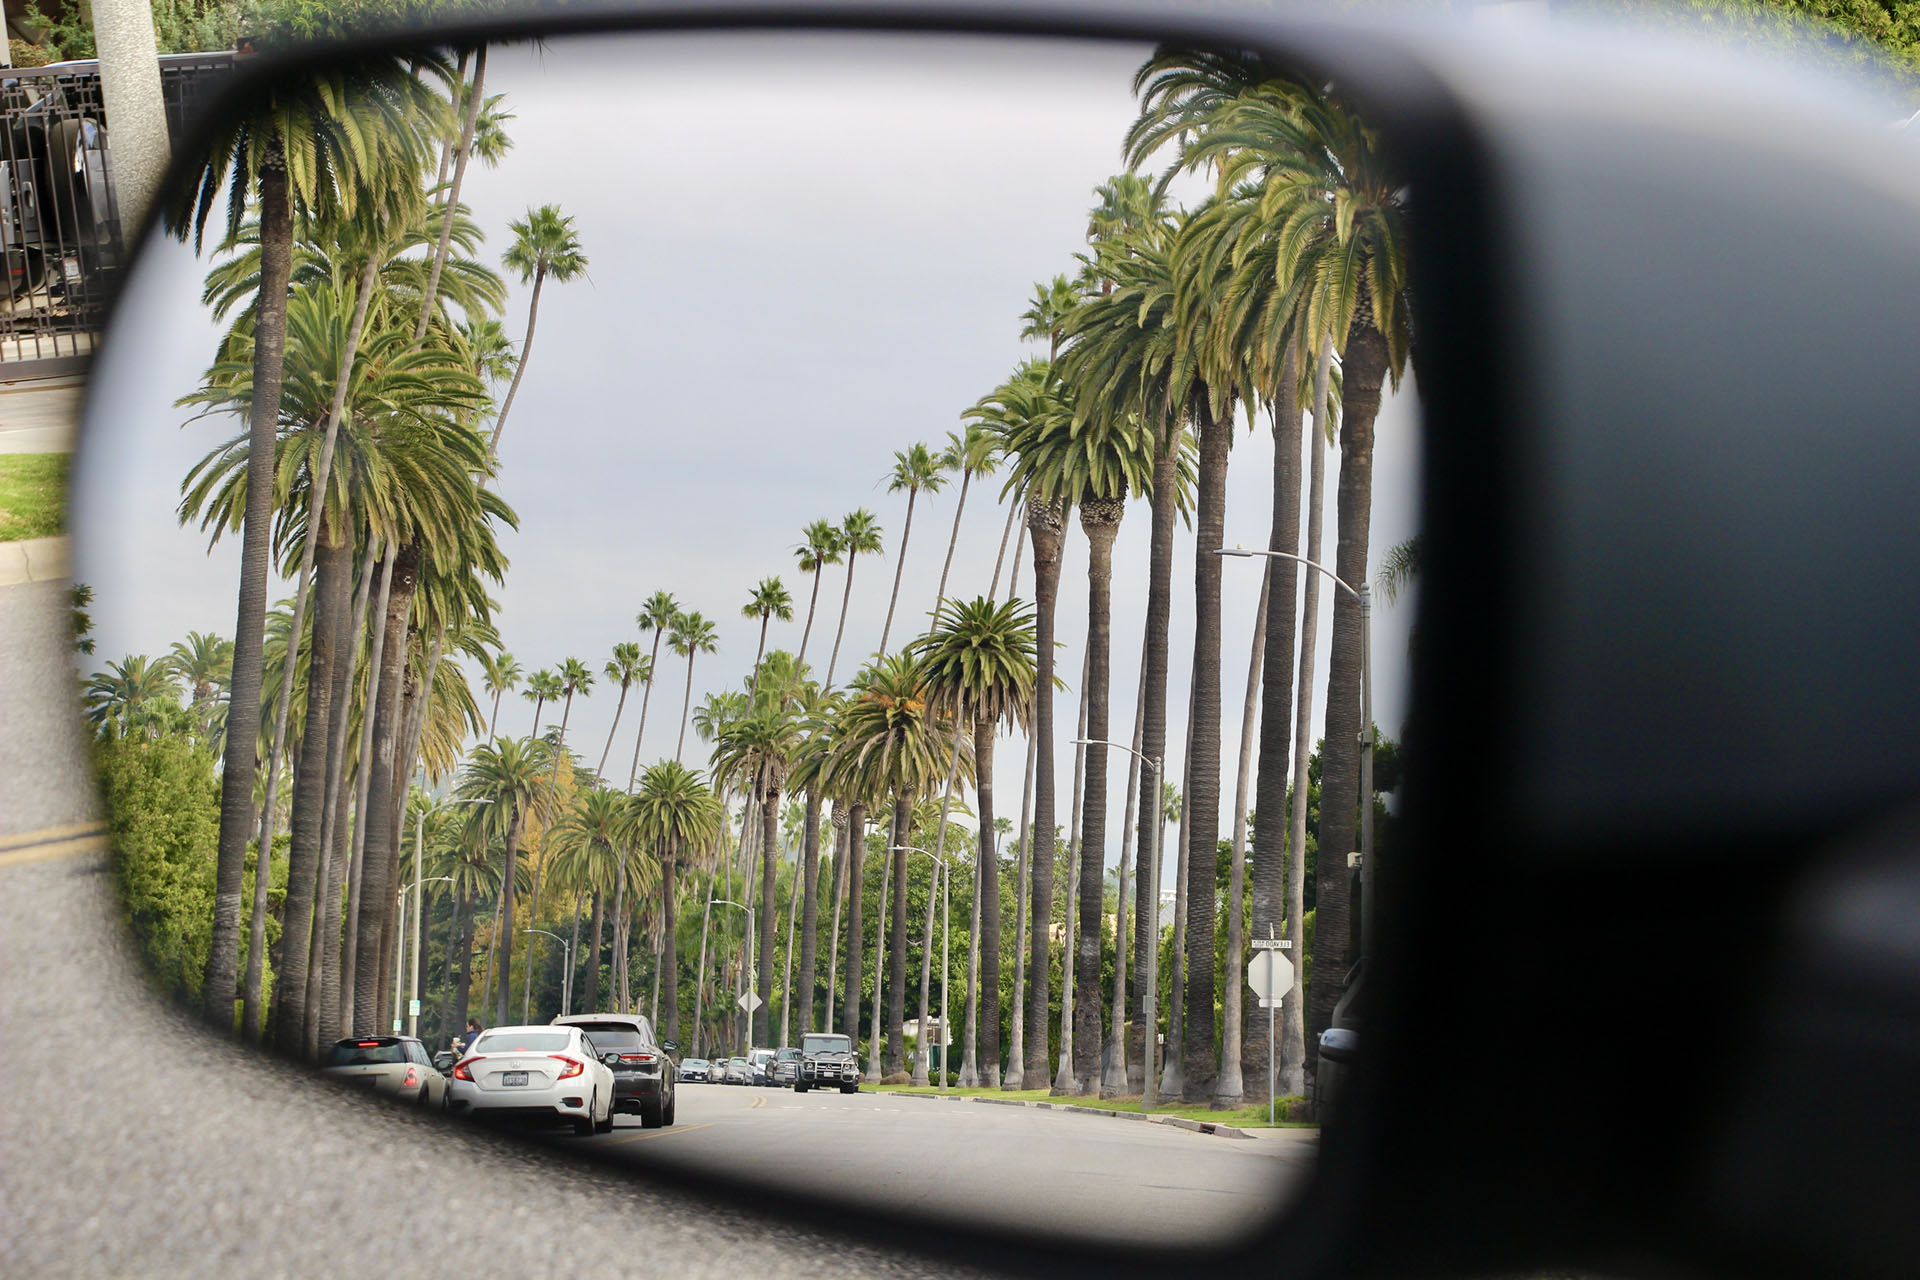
(546, 1073)
(785, 1068)
(695, 1071)
(398, 1065)
(827, 1061)
(644, 1074)
(738, 1071)
(1339, 1048)
(759, 1060)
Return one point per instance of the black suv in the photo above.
(826, 1061)
(644, 1072)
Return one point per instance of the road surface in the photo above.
(1018, 1167)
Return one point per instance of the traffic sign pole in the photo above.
(1270, 974)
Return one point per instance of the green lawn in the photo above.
(33, 495)
(1241, 1118)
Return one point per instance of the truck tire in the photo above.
(849, 1088)
(651, 1116)
(799, 1086)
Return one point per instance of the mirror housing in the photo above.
(1340, 1044)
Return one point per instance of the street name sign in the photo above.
(1270, 974)
(1271, 944)
(748, 1001)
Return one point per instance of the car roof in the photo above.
(636, 1021)
(532, 1026)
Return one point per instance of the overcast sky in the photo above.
(806, 252)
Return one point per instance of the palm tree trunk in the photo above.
(1063, 1074)
(1229, 1085)
(379, 857)
(1174, 1073)
(1276, 709)
(323, 952)
(1045, 522)
(667, 971)
(846, 597)
(953, 540)
(500, 966)
(533, 914)
(769, 911)
(493, 721)
(594, 937)
(1116, 1075)
(894, 945)
(600, 770)
(1013, 512)
(856, 924)
(334, 583)
(983, 939)
(760, 653)
(1293, 1016)
(299, 863)
(465, 151)
(899, 567)
(1153, 737)
(786, 962)
(1363, 370)
(356, 871)
(646, 698)
(1201, 807)
(1016, 1073)
(812, 604)
(842, 843)
(462, 982)
(809, 910)
(686, 705)
(617, 976)
(520, 368)
(250, 620)
(1101, 522)
(922, 1047)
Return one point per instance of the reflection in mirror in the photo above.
(871, 545)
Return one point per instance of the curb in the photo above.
(33, 560)
(1178, 1122)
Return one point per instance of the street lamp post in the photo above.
(729, 902)
(1149, 998)
(1364, 596)
(566, 981)
(946, 919)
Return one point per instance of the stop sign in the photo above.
(1270, 974)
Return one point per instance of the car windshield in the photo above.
(366, 1053)
(826, 1044)
(787, 1055)
(522, 1042)
(609, 1037)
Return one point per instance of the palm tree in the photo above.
(768, 601)
(544, 245)
(819, 547)
(657, 616)
(673, 812)
(979, 667)
(589, 846)
(974, 453)
(362, 130)
(690, 636)
(500, 674)
(914, 469)
(860, 535)
(542, 687)
(493, 145)
(625, 667)
(512, 780)
(205, 662)
(1045, 318)
(756, 752)
(575, 677)
(136, 696)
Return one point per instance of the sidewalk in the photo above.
(37, 415)
(33, 560)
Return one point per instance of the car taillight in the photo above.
(573, 1067)
(413, 1078)
(460, 1071)
(636, 1057)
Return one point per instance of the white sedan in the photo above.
(536, 1073)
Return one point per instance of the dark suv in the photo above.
(827, 1062)
(644, 1072)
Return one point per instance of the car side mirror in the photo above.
(1340, 1044)
(611, 1059)
(671, 1046)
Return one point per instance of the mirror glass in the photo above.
(749, 553)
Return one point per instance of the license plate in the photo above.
(513, 1077)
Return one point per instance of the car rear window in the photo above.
(522, 1042)
(612, 1037)
(366, 1053)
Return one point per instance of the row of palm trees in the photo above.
(1284, 291)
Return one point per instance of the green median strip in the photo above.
(1250, 1117)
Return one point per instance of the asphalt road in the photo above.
(1020, 1168)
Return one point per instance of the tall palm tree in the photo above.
(979, 667)
(625, 667)
(543, 686)
(575, 677)
(544, 245)
(511, 779)
(756, 752)
(976, 452)
(914, 468)
(690, 636)
(1045, 318)
(588, 844)
(860, 535)
(657, 616)
(819, 547)
(673, 812)
(205, 662)
(135, 697)
(500, 674)
(362, 130)
(768, 601)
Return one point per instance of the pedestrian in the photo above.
(465, 1045)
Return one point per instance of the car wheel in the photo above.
(651, 1115)
(849, 1088)
(584, 1126)
(666, 1117)
(799, 1087)
(606, 1126)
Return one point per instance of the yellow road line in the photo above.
(53, 842)
(644, 1134)
(757, 1103)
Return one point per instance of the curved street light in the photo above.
(566, 983)
(946, 920)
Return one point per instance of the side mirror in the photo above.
(1340, 1044)
(671, 1046)
(611, 1059)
